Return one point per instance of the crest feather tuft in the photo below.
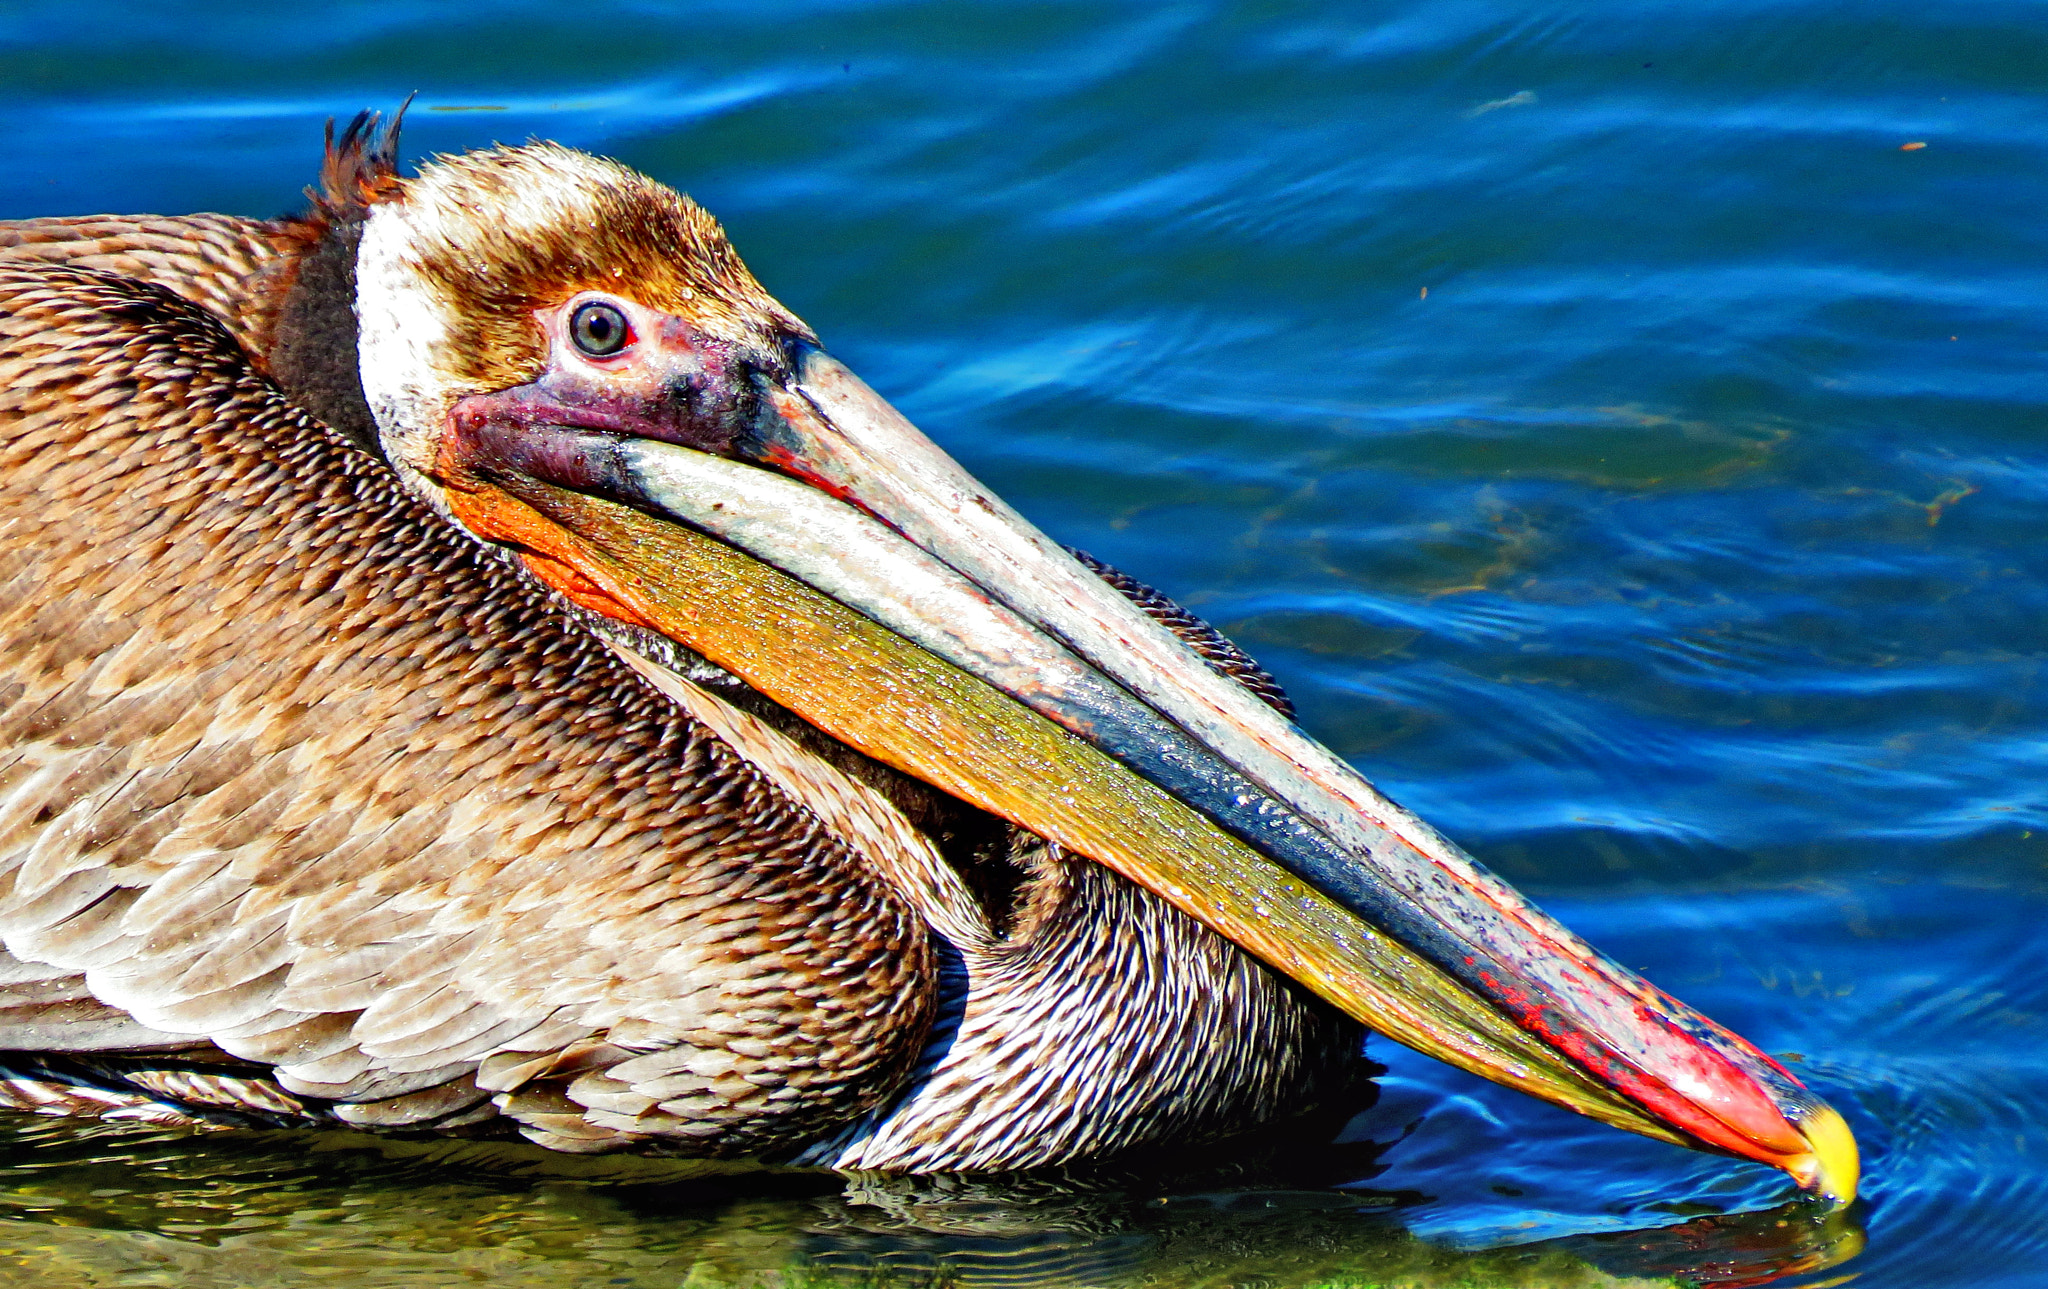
(362, 166)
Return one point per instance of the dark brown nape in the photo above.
(308, 344)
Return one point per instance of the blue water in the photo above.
(1627, 450)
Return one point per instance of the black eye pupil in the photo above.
(598, 329)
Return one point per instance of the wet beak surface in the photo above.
(867, 583)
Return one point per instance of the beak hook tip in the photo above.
(1833, 1168)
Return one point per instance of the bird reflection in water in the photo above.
(93, 1201)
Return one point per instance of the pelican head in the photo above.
(570, 362)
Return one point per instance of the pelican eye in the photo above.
(599, 329)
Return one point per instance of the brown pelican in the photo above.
(470, 661)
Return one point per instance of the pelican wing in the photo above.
(290, 767)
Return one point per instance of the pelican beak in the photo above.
(821, 548)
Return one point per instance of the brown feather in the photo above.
(565, 872)
(296, 775)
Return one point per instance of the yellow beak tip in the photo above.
(1833, 1168)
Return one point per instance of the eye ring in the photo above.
(599, 329)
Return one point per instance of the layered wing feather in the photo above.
(288, 767)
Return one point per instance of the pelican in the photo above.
(471, 662)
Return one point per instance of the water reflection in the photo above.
(97, 1204)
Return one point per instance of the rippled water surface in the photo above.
(1625, 446)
